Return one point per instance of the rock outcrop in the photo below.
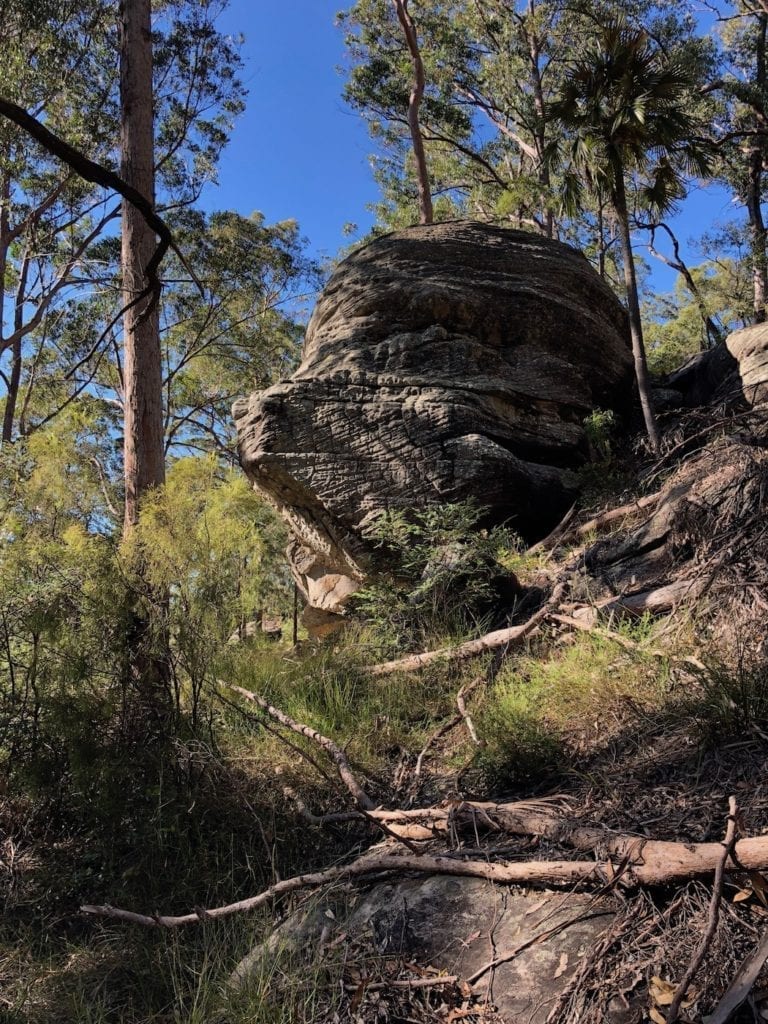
(458, 926)
(441, 363)
(735, 370)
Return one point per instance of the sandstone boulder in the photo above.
(444, 362)
(458, 925)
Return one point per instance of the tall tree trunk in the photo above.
(633, 305)
(14, 380)
(414, 102)
(150, 707)
(539, 103)
(5, 241)
(755, 190)
(144, 450)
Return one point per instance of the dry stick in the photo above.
(464, 691)
(714, 912)
(599, 523)
(436, 735)
(534, 940)
(378, 986)
(346, 774)
(547, 542)
(281, 739)
(648, 863)
(625, 641)
(741, 986)
(471, 648)
(536, 872)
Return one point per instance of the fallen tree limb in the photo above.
(434, 737)
(714, 913)
(346, 774)
(464, 691)
(599, 523)
(471, 648)
(624, 641)
(644, 862)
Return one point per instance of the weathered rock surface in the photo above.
(736, 369)
(457, 925)
(441, 363)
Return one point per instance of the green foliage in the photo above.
(732, 701)
(600, 427)
(438, 576)
(674, 326)
(67, 588)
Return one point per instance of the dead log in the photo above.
(561, 535)
(471, 648)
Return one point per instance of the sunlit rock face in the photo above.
(441, 363)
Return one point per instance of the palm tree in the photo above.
(626, 109)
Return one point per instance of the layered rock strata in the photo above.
(441, 363)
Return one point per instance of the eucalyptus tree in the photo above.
(741, 130)
(492, 69)
(59, 62)
(627, 110)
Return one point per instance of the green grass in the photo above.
(546, 707)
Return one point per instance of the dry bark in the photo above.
(649, 863)
(144, 435)
(642, 861)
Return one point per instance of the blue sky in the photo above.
(300, 152)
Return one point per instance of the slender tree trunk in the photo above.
(414, 102)
(633, 304)
(540, 138)
(150, 710)
(755, 190)
(144, 449)
(14, 380)
(5, 232)
(712, 333)
(600, 237)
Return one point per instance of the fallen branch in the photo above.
(599, 523)
(714, 912)
(407, 983)
(644, 862)
(624, 641)
(511, 954)
(464, 691)
(346, 774)
(549, 541)
(436, 735)
(471, 648)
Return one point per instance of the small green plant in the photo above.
(600, 427)
(440, 573)
(734, 701)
